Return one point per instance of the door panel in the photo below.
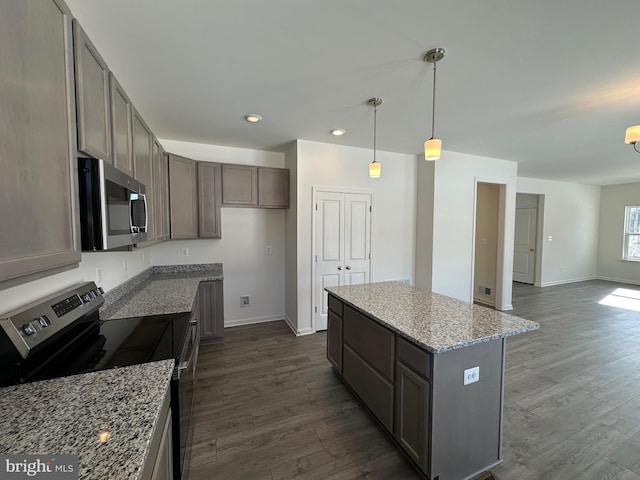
(524, 255)
(343, 245)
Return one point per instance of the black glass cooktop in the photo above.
(115, 343)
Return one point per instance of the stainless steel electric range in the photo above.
(62, 335)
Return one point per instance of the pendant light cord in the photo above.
(433, 103)
(375, 116)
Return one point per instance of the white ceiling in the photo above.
(551, 84)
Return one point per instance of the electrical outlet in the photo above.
(98, 274)
(550, 238)
(244, 300)
(268, 249)
(185, 252)
(471, 375)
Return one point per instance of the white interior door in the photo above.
(343, 245)
(524, 252)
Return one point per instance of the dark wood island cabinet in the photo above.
(429, 368)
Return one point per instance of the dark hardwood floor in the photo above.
(267, 405)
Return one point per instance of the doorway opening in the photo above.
(527, 254)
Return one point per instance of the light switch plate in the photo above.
(471, 375)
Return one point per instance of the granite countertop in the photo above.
(159, 290)
(435, 322)
(66, 416)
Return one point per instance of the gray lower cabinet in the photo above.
(449, 430)
(121, 127)
(183, 197)
(209, 200)
(92, 98)
(211, 298)
(143, 170)
(159, 463)
(37, 141)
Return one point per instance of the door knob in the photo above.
(339, 268)
(532, 250)
(348, 267)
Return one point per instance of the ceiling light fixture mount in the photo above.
(338, 132)
(433, 146)
(632, 137)
(374, 167)
(253, 118)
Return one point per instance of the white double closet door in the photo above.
(342, 253)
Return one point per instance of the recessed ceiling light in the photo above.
(252, 118)
(338, 131)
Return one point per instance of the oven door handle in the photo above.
(185, 364)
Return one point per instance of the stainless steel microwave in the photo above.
(113, 207)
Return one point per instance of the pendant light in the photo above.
(632, 137)
(374, 167)
(433, 146)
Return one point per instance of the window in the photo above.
(631, 233)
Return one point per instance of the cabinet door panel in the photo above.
(371, 341)
(183, 199)
(412, 414)
(143, 169)
(334, 340)
(371, 387)
(273, 187)
(121, 128)
(92, 96)
(37, 140)
(239, 185)
(158, 189)
(211, 312)
(165, 201)
(209, 199)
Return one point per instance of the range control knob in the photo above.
(29, 329)
(44, 321)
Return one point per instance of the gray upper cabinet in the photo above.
(273, 187)
(165, 200)
(143, 169)
(183, 197)
(239, 185)
(121, 127)
(209, 199)
(37, 141)
(92, 98)
(160, 175)
(248, 186)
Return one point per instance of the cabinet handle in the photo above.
(348, 267)
(339, 268)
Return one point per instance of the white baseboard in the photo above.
(485, 301)
(570, 280)
(251, 321)
(620, 280)
(296, 332)
(507, 308)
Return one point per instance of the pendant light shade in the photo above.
(433, 146)
(374, 167)
(374, 170)
(432, 149)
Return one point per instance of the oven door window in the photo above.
(118, 210)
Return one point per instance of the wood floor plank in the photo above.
(268, 406)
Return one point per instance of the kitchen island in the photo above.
(429, 368)
(112, 419)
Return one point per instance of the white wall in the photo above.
(291, 240)
(612, 202)
(393, 240)
(248, 269)
(112, 265)
(454, 189)
(570, 216)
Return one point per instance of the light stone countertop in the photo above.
(160, 290)
(66, 415)
(432, 321)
